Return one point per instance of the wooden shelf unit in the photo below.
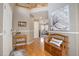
(19, 41)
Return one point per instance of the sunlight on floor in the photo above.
(42, 39)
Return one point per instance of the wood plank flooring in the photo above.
(36, 49)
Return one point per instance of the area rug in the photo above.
(18, 53)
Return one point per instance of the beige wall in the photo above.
(23, 14)
(77, 29)
(1, 29)
(1, 45)
(74, 15)
(1, 17)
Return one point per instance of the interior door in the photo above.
(7, 26)
(36, 29)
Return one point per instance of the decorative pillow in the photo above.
(56, 41)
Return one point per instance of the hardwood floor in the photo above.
(36, 49)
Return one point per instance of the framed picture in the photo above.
(60, 19)
(22, 24)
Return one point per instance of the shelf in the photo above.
(19, 40)
(20, 44)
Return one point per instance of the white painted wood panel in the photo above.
(36, 29)
(7, 26)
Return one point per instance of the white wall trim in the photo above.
(63, 32)
(48, 31)
(26, 31)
